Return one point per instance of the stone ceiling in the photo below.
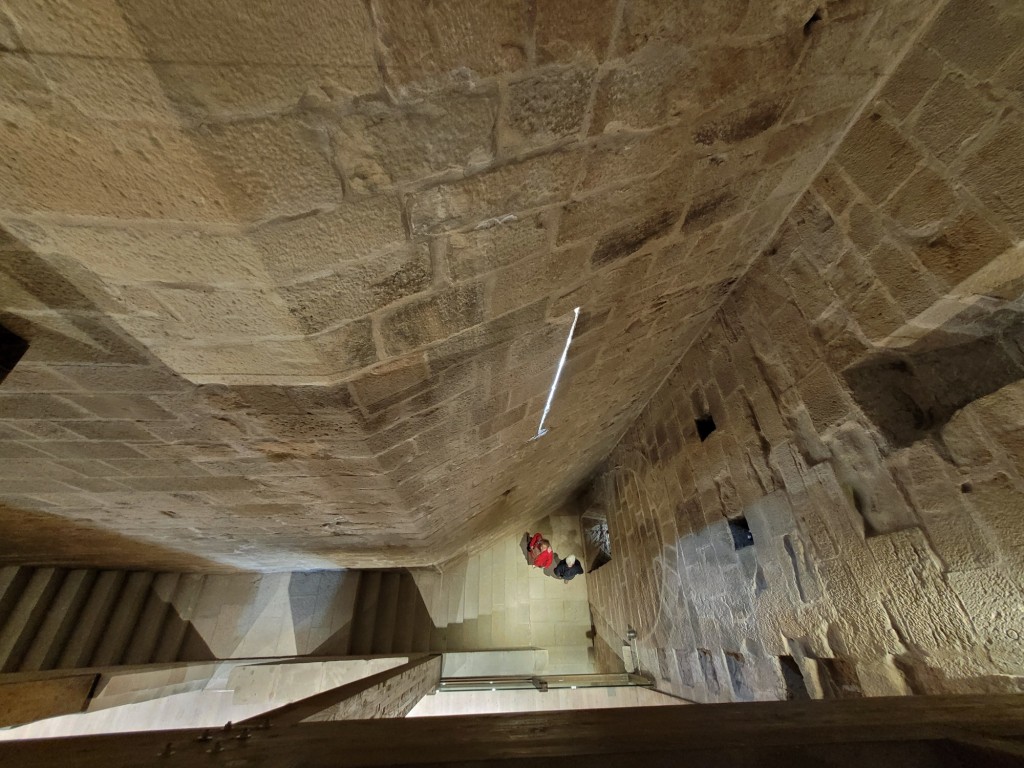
(347, 238)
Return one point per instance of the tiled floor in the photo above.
(493, 599)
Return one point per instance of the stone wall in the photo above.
(336, 245)
(865, 387)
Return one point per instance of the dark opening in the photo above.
(793, 679)
(707, 668)
(705, 426)
(597, 541)
(839, 679)
(966, 487)
(810, 23)
(12, 347)
(741, 535)
(737, 678)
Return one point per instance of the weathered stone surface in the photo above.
(570, 31)
(316, 261)
(877, 157)
(545, 108)
(424, 41)
(381, 145)
(432, 319)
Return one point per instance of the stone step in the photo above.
(151, 621)
(60, 620)
(486, 578)
(387, 612)
(421, 638)
(123, 620)
(366, 613)
(472, 588)
(405, 623)
(498, 582)
(88, 629)
(27, 616)
(13, 579)
(179, 617)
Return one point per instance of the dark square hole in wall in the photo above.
(741, 535)
(793, 679)
(705, 426)
(12, 347)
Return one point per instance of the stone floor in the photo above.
(492, 599)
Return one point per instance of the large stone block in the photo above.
(121, 255)
(120, 406)
(876, 156)
(39, 406)
(269, 167)
(355, 288)
(380, 145)
(533, 278)
(482, 250)
(93, 169)
(509, 189)
(922, 203)
(432, 319)
(975, 36)
(210, 313)
(425, 40)
(995, 173)
(601, 211)
(309, 244)
(569, 31)
(232, 32)
(646, 90)
(962, 247)
(631, 155)
(346, 349)
(952, 116)
(905, 278)
(545, 108)
(391, 382)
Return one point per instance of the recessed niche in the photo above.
(811, 22)
(793, 679)
(705, 426)
(839, 679)
(12, 347)
(741, 535)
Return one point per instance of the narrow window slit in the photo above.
(705, 426)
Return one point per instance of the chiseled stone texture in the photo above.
(295, 280)
(866, 381)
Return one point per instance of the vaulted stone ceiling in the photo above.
(296, 275)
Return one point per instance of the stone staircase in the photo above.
(56, 618)
(390, 616)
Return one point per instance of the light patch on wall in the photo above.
(558, 372)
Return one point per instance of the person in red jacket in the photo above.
(539, 552)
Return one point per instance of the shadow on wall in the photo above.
(309, 613)
(912, 393)
(37, 538)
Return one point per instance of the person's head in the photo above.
(570, 560)
(545, 544)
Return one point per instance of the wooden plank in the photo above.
(30, 700)
(691, 735)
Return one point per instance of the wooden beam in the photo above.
(704, 731)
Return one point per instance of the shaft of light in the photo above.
(558, 373)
